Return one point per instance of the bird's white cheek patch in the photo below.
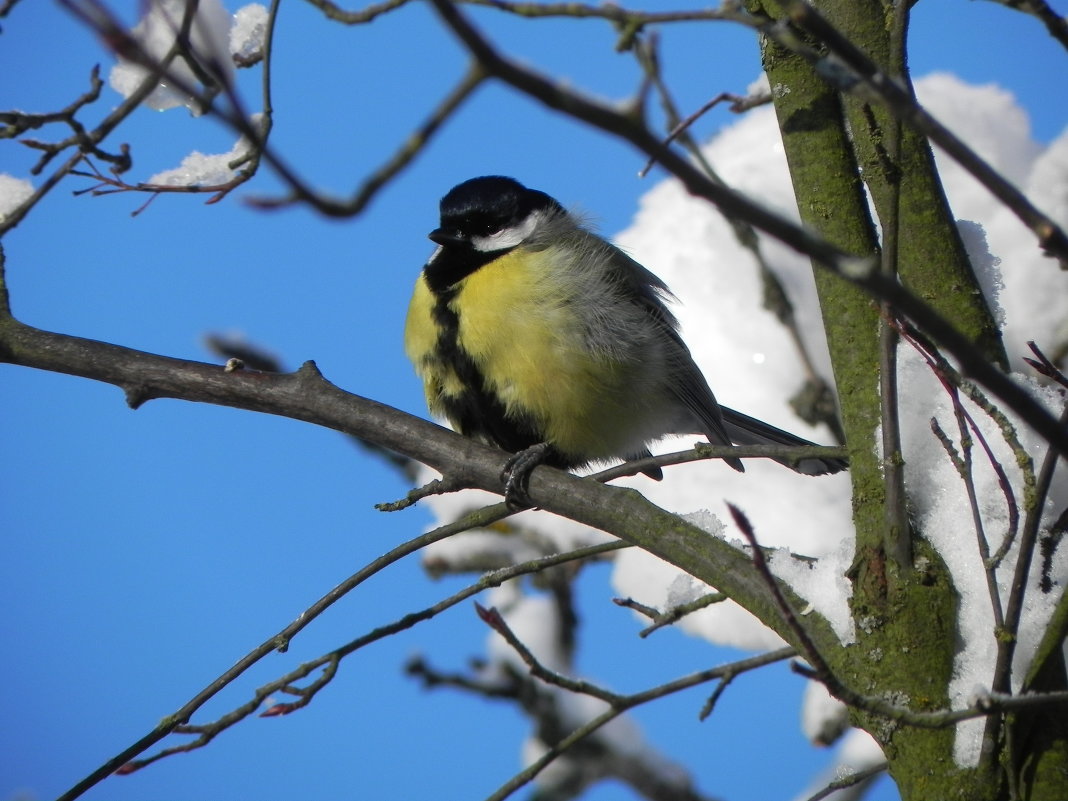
(507, 237)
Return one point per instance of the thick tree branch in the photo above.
(1050, 235)
(306, 395)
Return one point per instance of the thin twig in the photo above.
(1056, 24)
(491, 617)
(952, 380)
(1044, 365)
(991, 703)
(369, 14)
(967, 428)
(703, 451)
(615, 13)
(682, 126)
(279, 642)
(626, 702)
(815, 403)
(1018, 592)
(853, 779)
(405, 155)
(330, 662)
(671, 615)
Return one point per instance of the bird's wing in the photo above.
(687, 382)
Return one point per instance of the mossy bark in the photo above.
(905, 613)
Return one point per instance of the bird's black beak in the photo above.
(447, 236)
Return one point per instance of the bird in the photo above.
(533, 333)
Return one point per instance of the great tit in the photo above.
(532, 333)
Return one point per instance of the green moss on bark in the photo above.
(905, 614)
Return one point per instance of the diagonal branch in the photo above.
(305, 395)
(617, 704)
(1050, 236)
(329, 662)
(1056, 25)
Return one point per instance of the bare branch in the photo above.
(404, 156)
(17, 123)
(494, 620)
(333, 11)
(1050, 236)
(815, 402)
(853, 779)
(1056, 24)
(671, 615)
(1045, 366)
(821, 671)
(1035, 507)
(279, 642)
(623, 703)
(330, 662)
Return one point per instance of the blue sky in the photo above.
(147, 551)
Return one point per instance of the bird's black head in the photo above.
(491, 214)
(481, 220)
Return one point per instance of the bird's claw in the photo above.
(516, 475)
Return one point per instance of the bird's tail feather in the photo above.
(746, 430)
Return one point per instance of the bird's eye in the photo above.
(484, 226)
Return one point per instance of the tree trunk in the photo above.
(905, 614)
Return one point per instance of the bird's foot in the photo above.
(516, 475)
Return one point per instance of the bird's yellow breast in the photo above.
(518, 322)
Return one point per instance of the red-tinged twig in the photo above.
(112, 184)
(952, 381)
(95, 15)
(1004, 622)
(1017, 597)
(1042, 364)
(206, 733)
(806, 647)
(993, 702)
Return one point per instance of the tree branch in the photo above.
(306, 395)
(1050, 235)
(330, 662)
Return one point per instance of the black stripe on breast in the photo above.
(477, 411)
